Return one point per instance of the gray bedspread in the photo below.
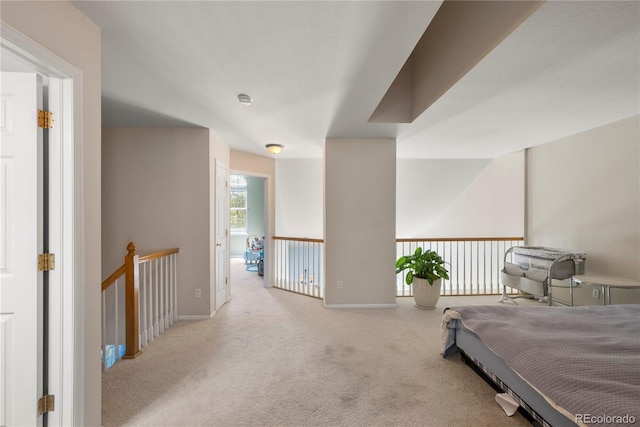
(583, 360)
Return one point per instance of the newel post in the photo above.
(132, 285)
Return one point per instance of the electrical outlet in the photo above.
(595, 293)
(198, 293)
(339, 284)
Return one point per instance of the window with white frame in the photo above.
(238, 203)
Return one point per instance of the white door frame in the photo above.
(66, 224)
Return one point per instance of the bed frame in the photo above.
(495, 372)
(560, 364)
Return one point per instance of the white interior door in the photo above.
(222, 221)
(20, 370)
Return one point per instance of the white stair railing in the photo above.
(139, 302)
(158, 294)
(299, 265)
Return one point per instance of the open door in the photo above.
(41, 312)
(222, 227)
(20, 235)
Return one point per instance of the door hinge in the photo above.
(226, 280)
(45, 119)
(46, 404)
(46, 262)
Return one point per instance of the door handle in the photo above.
(219, 245)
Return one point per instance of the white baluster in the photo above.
(104, 331)
(156, 329)
(149, 298)
(161, 294)
(116, 322)
(171, 296)
(175, 287)
(150, 302)
(165, 262)
(143, 306)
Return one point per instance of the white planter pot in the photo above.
(426, 296)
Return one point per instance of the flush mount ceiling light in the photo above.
(244, 99)
(274, 148)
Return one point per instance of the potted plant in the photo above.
(425, 272)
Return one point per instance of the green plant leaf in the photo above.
(409, 278)
(401, 261)
(425, 264)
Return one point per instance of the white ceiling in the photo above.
(318, 69)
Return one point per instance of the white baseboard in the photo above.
(195, 317)
(360, 305)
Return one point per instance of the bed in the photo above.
(565, 366)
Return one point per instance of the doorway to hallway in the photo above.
(248, 224)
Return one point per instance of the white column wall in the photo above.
(359, 222)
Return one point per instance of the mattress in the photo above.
(573, 365)
(544, 256)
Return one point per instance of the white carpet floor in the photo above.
(273, 358)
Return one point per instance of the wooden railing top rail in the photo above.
(418, 239)
(131, 248)
(159, 254)
(299, 239)
(459, 239)
(112, 279)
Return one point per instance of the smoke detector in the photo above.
(244, 99)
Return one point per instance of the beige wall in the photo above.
(474, 197)
(461, 197)
(583, 193)
(360, 222)
(244, 163)
(157, 193)
(62, 29)
(299, 204)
